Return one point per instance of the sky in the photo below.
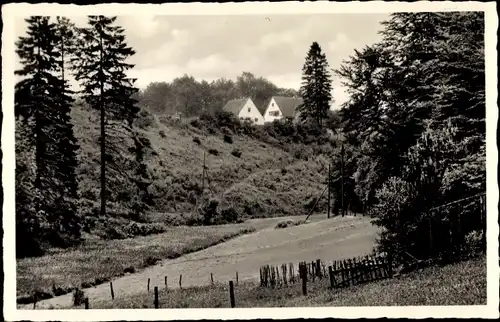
(215, 46)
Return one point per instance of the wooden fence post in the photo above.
(112, 292)
(180, 281)
(236, 277)
(156, 297)
(304, 285)
(330, 272)
(166, 285)
(86, 301)
(483, 221)
(231, 293)
(318, 268)
(389, 263)
(212, 278)
(148, 283)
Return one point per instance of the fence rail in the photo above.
(342, 273)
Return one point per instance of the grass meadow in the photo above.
(463, 283)
(97, 261)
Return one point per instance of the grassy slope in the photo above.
(458, 284)
(254, 181)
(98, 259)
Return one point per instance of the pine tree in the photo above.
(67, 148)
(316, 86)
(100, 67)
(42, 109)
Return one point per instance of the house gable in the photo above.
(273, 111)
(281, 107)
(250, 111)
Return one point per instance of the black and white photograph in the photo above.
(304, 159)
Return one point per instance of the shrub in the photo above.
(473, 244)
(129, 269)
(236, 153)
(229, 215)
(228, 139)
(100, 280)
(208, 211)
(162, 134)
(58, 291)
(290, 223)
(78, 297)
(144, 119)
(196, 140)
(86, 285)
(213, 152)
(111, 232)
(151, 260)
(195, 123)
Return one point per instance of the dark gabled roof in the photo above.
(287, 105)
(235, 106)
(262, 108)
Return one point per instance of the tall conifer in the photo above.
(100, 68)
(42, 108)
(316, 86)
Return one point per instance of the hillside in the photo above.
(248, 176)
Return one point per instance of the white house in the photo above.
(280, 107)
(244, 109)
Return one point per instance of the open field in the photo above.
(101, 260)
(459, 284)
(336, 238)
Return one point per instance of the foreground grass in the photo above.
(458, 284)
(97, 261)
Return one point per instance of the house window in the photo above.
(272, 104)
(249, 110)
(274, 113)
(256, 119)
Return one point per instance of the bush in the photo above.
(195, 123)
(58, 291)
(473, 244)
(144, 119)
(209, 211)
(100, 280)
(196, 140)
(213, 152)
(236, 153)
(162, 134)
(78, 297)
(228, 139)
(86, 285)
(290, 223)
(151, 260)
(229, 215)
(129, 269)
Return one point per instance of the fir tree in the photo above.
(316, 86)
(100, 67)
(42, 108)
(64, 135)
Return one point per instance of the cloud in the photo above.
(142, 26)
(210, 47)
(340, 42)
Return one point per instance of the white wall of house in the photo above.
(272, 112)
(250, 111)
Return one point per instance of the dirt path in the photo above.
(326, 239)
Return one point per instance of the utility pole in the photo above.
(342, 177)
(329, 184)
(203, 176)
